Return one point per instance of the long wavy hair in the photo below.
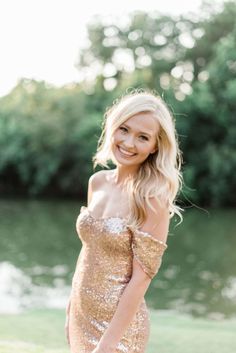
(159, 176)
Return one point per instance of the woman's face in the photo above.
(135, 139)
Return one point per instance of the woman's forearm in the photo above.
(125, 312)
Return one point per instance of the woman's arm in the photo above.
(125, 312)
(135, 290)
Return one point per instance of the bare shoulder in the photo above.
(157, 221)
(98, 179)
(97, 182)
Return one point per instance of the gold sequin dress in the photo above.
(103, 270)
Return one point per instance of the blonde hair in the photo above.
(159, 175)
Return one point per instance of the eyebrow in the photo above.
(141, 132)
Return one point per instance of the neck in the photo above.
(121, 174)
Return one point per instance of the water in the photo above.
(39, 247)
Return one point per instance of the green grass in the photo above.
(42, 331)
(173, 333)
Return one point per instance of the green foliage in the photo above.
(48, 136)
(210, 134)
(150, 43)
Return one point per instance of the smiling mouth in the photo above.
(126, 153)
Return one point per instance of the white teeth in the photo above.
(125, 152)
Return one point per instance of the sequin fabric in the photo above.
(103, 270)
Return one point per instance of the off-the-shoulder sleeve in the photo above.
(148, 251)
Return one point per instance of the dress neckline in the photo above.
(101, 218)
(85, 208)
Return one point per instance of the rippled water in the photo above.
(39, 249)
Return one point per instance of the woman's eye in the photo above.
(144, 137)
(122, 128)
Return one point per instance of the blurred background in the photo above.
(62, 64)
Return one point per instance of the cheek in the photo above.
(146, 149)
(116, 137)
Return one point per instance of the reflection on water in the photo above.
(17, 290)
(39, 249)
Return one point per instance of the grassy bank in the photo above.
(43, 332)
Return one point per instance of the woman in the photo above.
(124, 228)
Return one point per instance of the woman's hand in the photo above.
(100, 349)
(67, 323)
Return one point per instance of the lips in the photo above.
(126, 153)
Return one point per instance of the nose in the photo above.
(129, 142)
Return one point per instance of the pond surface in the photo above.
(39, 248)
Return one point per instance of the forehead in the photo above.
(143, 122)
